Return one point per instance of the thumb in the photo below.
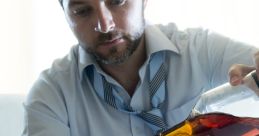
(237, 72)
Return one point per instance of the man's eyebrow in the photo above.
(73, 3)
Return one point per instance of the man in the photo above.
(127, 78)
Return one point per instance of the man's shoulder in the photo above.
(168, 29)
(59, 75)
(172, 29)
(62, 68)
(66, 63)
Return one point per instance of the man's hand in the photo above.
(238, 71)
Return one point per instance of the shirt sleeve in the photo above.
(45, 111)
(218, 53)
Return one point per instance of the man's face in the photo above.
(110, 30)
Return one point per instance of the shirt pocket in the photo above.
(177, 115)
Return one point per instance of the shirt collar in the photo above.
(155, 41)
(84, 60)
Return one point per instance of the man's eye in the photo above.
(118, 2)
(82, 11)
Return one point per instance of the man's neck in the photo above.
(127, 73)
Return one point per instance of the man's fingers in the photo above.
(237, 72)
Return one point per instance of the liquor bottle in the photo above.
(215, 124)
(226, 94)
(205, 120)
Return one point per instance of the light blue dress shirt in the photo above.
(62, 101)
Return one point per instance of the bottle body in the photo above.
(216, 124)
(220, 97)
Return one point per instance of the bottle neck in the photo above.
(252, 82)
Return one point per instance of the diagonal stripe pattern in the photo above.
(153, 119)
(108, 96)
(158, 79)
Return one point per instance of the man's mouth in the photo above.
(113, 42)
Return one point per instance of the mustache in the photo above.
(106, 37)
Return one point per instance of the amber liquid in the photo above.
(216, 124)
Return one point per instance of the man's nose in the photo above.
(105, 21)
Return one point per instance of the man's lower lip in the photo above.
(112, 43)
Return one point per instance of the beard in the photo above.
(114, 55)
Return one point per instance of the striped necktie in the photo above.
(157, 86)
